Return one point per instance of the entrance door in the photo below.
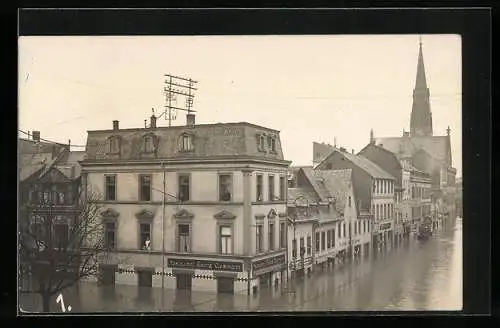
(145, 283)
(184, 281)
(225, 285)
(265, 279)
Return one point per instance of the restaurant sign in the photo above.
(268, 262)
(204, 265)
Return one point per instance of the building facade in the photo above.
(49, 191)
(373, 189)
(194, 207)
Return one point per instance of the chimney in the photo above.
(342, 149)
(153, 121)
(352, 151)
(190, 119)
(406, 134)
(372, 139)
(36, 136)
(116, 125)
(29, 135)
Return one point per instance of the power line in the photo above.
(54, 142)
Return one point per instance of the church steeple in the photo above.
(421, 116)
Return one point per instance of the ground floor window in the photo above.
(183, 281)
(225, 285)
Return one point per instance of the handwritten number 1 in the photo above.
(60, 299)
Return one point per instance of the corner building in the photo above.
(212, 196)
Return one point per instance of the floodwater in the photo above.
(412, 276)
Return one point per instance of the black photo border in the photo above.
(473, 24)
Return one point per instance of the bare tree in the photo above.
(59, 246)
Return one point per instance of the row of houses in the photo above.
(216, 207)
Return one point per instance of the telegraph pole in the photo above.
(174, 86)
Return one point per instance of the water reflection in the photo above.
(411, 276)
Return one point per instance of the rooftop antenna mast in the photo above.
(174, 86)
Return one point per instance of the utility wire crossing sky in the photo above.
(311, 88)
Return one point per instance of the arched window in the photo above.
(186, 142)
(114, 144)
(148, 144)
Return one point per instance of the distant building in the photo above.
(224, 219)
(373, 189)
(49, 184)
(429, 153)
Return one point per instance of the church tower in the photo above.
(421, 116)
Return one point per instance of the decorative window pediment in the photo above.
(272, 214)
(110, 213)
(224, 215)
(259, 216)
(145, 214)
(184, 214)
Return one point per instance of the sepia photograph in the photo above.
(240, 173)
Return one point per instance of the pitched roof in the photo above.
(365, 164)
(300, 192)
(209, 140)
(26, 171)
(436, 146)
(336, 183)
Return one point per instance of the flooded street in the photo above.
(414, 276)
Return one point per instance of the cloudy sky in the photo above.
(311, 88)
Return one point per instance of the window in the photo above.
(114, 145)
(282, 188)
(302, 249)
(328, 239)
(343, 228)
(145, 188)
(374, 186)
(339, 231)
(317, 242)
(183, 188)
(186, 143)
(37, 232)
(349, 201)
(350, 226)
(145, 236)
(333, 237)
(184, 238)
(148, 144)
(258, 238)
(294, 248)
(110, 235)
(273, 145)
(110, 192)
(259, 188)
(355, 228)
(282, 235)
(271, 236)
(309, 245)
(225, 240)
(271, 187)
(225, 187)
(61, 235)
